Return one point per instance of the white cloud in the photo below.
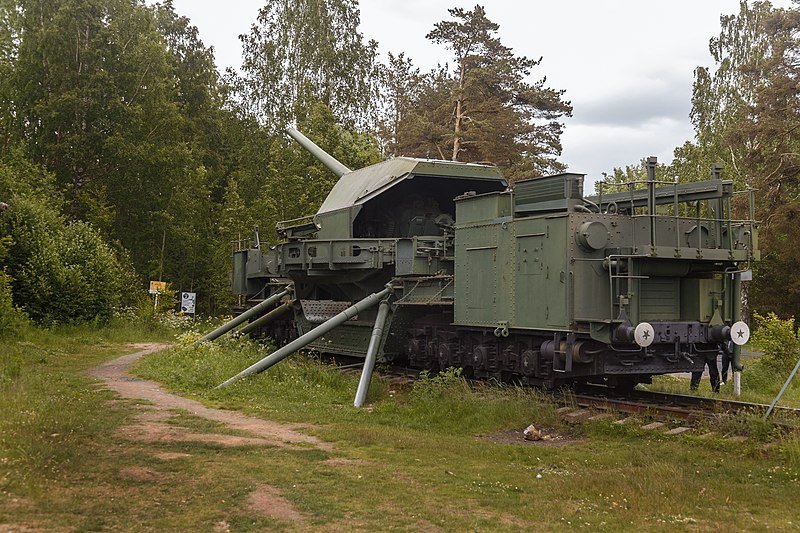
(594, 149)
(626, 65)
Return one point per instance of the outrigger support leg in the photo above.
(244, 317)
(306, 339)
(266, 319)
(372, 354)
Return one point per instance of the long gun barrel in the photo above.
(324, 157)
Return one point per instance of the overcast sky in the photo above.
(626, 65)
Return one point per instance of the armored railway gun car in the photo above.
(531, 282)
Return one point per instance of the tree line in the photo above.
(125, 155)
(746, 115)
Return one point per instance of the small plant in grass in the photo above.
(749, 424)
(791, 448)
(11, 317)
(435, 385)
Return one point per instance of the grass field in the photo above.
(439, 454)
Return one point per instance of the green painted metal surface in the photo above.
(534, 264)
(360, 185)
(539, 270)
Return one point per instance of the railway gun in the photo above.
(435, 264)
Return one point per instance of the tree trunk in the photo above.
(459, 115)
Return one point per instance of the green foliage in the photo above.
(11, 317)
(301, 52)
(778, 339)
(481, 108)
(744, 111)
(721, 97)
(437, 386)
(118, 106)
(61, 271)
(58, 271)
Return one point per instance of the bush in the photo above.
(11, 318)
(779, 341)
(436, 386)
(62, 272)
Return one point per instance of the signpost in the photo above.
(157, 287)
(188, 300)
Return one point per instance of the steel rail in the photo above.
(671, 403)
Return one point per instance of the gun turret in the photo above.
(324, 157)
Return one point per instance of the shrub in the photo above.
(779, 341)
(11, 318)
(436, 386)
(62, 272)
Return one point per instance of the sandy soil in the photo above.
(267, 501)
(152, 421)
(153, 424)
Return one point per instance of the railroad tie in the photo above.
(677, 431)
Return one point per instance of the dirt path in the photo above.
(151, 421)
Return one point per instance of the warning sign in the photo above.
(188, 300)
(158, 287)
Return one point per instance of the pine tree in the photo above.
(483, 109)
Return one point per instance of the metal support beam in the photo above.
(372, 354)
(306, 339)
(783, 389)
(736, 316)
(652, 162)
(687, 192)
(266, 319)
(244, 317)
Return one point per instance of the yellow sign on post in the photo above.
(158, 287)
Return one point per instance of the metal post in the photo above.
(716, 174)
(783, 389)
(309, 337)
(677, 218)
(736, 315)
(372, 354)
(269, 317)
(244, 317)
(651, 198)
(729, 216)
(699, 229)
(600, 191)
(751, 199)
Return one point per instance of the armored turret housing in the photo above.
(399, 198)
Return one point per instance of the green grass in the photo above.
(430, 461)
(438, 453)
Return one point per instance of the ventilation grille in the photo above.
(549, 193)
(660, 299)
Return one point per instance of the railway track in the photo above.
(656, 404)
(679, 406)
